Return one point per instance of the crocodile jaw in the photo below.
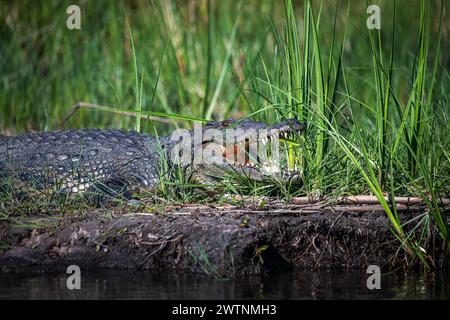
(252, 167)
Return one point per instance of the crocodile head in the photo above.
(248, 148)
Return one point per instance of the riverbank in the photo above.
(217, 240)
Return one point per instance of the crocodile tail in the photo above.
(3, 147)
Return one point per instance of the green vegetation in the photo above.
(376, 101)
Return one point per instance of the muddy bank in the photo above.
(214, 240)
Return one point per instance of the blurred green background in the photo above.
(45, 68)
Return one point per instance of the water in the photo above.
(293, 285)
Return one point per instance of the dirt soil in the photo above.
(219, 240)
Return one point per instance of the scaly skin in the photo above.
(76, 161)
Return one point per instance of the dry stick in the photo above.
(363, 199)
(86, 105)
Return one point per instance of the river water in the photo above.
(292, 285)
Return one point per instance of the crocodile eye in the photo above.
(227, 122)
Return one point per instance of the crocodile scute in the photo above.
(74, 160)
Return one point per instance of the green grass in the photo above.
(376, 102)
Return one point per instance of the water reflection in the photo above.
(294, 285)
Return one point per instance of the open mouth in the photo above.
(263, 153)
(254, 147)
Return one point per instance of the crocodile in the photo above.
(86, 160)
